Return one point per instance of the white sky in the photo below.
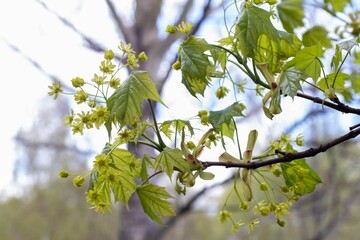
(38, 34)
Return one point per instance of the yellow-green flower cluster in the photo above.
(221, 92)
(98, 200)
(204, 117)
(183, 27)
(101, 163)
(97, 116)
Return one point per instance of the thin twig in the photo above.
(337, 106)
(287, 156)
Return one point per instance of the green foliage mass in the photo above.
(277, 61)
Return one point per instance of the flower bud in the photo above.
(176, 65)
(78, 181)
(109, 54)
(142, 57)
(63, 174)
(77, 82)
(170, 29)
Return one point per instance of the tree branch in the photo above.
(287, 157)
(337, 105)
(37, 65)
(126, 32)
(90, 43)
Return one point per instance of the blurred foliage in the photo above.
(54, 211)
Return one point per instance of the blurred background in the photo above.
(46, 41)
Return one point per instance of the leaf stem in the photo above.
(157, 147)
(338, 70)
(157, 131)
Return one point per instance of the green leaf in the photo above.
(329, 79)
(226, 41)
(291, 14)
(206, 175)
(290, 81)
(299, 175)
(316, 35)
(228, 130)
(220, 57)
(124, 160)
(124, 185)
(152, 199)
(195, 65)
(308, 60)
(336, 59)
(253, 22)
(355, 82)
(348, 44)
(144, 164)
(170, 159)
(178, 124)
(217, 118)
(125, 103)
(337, 5)
(267, 52)
(290, 44)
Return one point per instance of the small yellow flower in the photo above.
(132, 61)
(69, 118)
(107, 67)
(252, 224)
(99, 80)
(170, 29)
(224, 216)
(109, 54)
(102, 206)
(99, 115)
(63, 174)
(55, 89)
(142, 57)
(241, 86)
(114, 83)
(126, 49)
(300, 140)
(101, 162)
(92, 103)
(281, 222)
(77, 126)
(125, 136)
(185, 27)
(221, 92)
(86, 119)
(77, 82)
(264, 210)
(78, 181)
(202, 113)
(92, 196)
(244, 205)
(80, 97)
